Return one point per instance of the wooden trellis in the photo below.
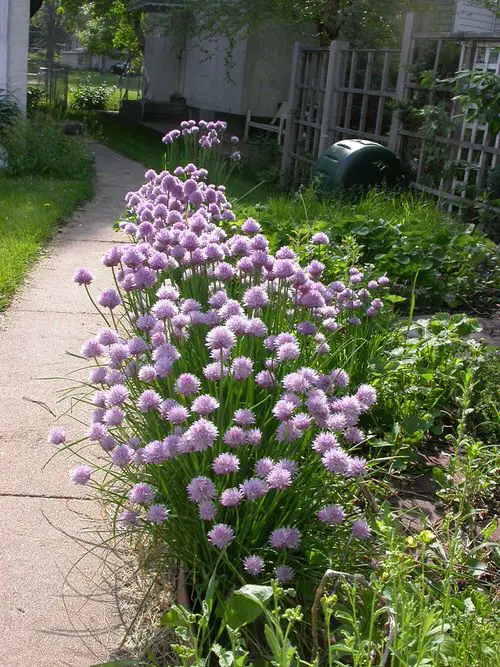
(342, 92)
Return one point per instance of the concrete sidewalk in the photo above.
(54, 608)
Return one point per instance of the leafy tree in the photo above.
(369, 22)
(47, 25)
(105, 26)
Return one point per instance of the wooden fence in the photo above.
(342, 92)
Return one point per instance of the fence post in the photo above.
(404, 61)
(332, 97)
(287, 142)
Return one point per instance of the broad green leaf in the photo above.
(246, 604)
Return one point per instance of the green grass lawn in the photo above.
(30, 210)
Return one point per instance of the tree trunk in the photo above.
(51, 19)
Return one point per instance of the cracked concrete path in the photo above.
(57, 604)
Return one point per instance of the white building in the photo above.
(14, 37)
(177, 65)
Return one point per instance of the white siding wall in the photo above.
(14, 36)
(161, 61)
(268, 67)
(206, 82)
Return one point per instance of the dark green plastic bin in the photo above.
(357, 164)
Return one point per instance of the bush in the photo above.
(9, 113)
(87, 96)
(38, 146)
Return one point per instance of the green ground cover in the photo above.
(31, 208)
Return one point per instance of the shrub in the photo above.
(9, 113)
(87, 96)
(38, 146)
(232, 431)
(35, 97)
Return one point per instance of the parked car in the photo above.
(119, 68)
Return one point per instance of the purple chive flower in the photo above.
(366, 395)
(127, 519)
(109, 299)
(253, 437)
(288, 352)
(147, 373)
(356, 467)
(285, 538)
(256, 327)
(116, 395)
(383, 281)
(241, 368)
(296, 382)
(283, 573)
(141, 494)
(221, 535)
(331, 514)
(337, 422)
(320, 239)
(57, 436)
(354, 435)
(235, 436)
(225, 464)
(200, 489)
(80, 475)
(220, 338)
(213, 371)
(339, 378)
(97, 375)
(204, 405)
(254, 488)
(253, 565)
(148, 400)
(122, 456)
(255, 298)
(231, 497)
(107, 337)
(264, 466)
(157, 514)
(265, 379)
(137, 346)
(360, 530)
(301, 421)
(207, 510)
(323, 442)
(279, 478)
(199, 436)
(114, 416)
(177, 414)
(91, 349)
(244, 417)
(336, 461)
(283, 410)
(83, 276)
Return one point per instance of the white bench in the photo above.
(277, 124)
